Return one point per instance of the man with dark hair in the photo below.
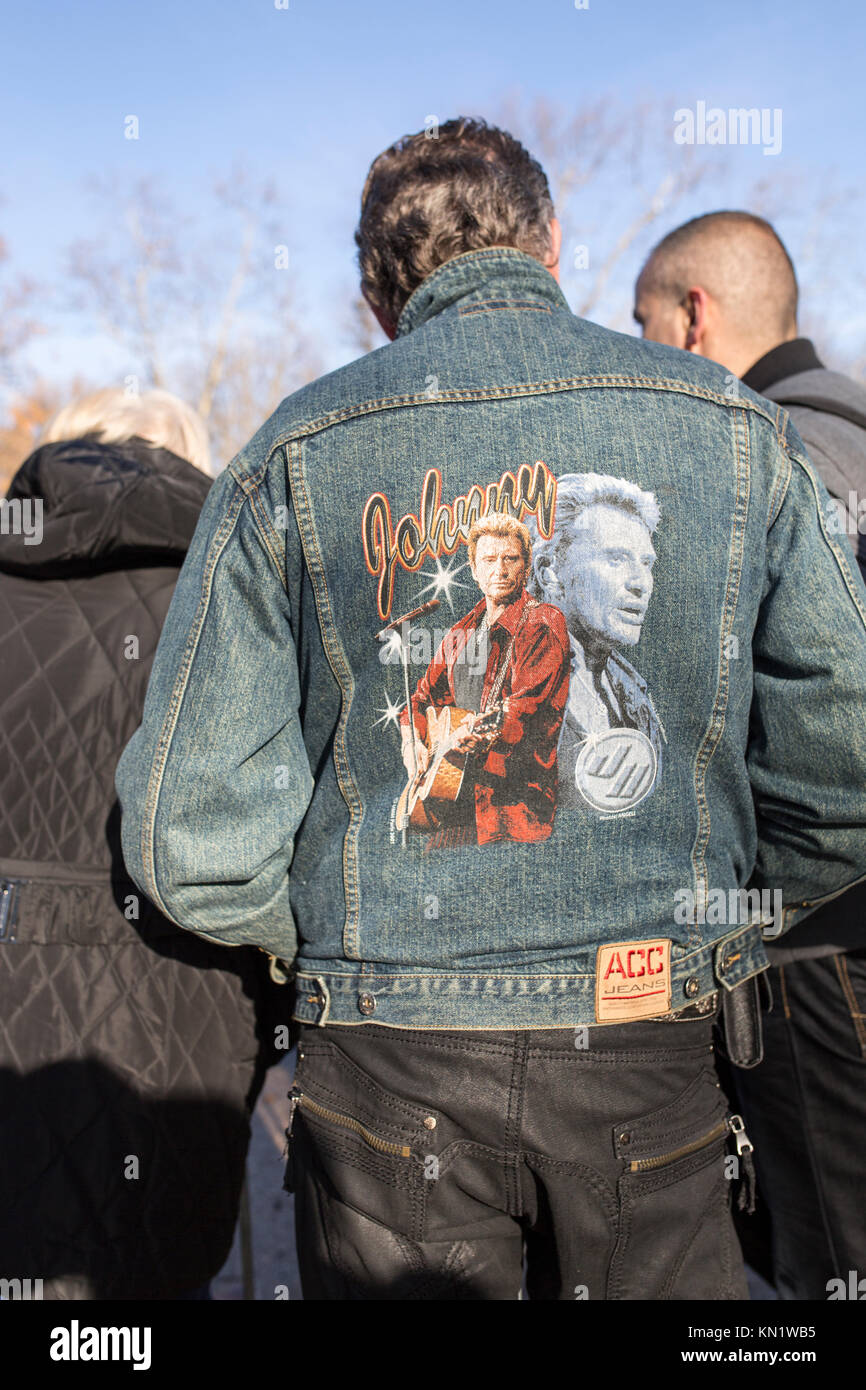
(724, 287)
(426, 200)
(504, 1053)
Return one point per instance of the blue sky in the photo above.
(307, 95)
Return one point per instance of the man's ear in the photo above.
(552, 262)
(696, 305)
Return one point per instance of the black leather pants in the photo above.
(445, 1165)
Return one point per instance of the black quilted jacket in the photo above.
(130, 1052)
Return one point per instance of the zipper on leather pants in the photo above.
(748, 1182)
(734, 1123)
(387, 1146)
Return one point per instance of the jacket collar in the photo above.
(788, 359)
(498, 271)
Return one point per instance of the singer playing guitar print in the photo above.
(485, 771)
(441, 780)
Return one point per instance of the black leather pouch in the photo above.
(742, 1033)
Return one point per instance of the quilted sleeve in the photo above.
(216, 780)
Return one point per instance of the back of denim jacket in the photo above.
(674, 693)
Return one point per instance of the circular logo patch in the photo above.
(615, 770)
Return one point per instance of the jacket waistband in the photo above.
(449, 1000)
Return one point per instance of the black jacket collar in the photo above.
(788, 359)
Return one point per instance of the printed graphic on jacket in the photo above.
(523, 704)
(596, 565)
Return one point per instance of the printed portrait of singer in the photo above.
(509, 655)
(597, 567)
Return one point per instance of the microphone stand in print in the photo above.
(403, 625)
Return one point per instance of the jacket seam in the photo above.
(402, 975)
(169, 725)
(524, 300)
(343, 677)
(780, 489)
(840, 555)
(369, 975)
(487, 308)
(251, 487)
(716, 724)
(517, 391)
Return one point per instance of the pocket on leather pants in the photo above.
(363, 1145)
(676, 1238)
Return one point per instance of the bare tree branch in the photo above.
(212, 319)
(215, 367)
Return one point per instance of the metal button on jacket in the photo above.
(367, 1003)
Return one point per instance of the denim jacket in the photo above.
(264, 796)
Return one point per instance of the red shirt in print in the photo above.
(516, 778)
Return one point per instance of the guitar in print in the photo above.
(427, 795)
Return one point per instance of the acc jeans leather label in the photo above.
(632, 980)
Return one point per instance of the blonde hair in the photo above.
(115, 415)
(499, 524)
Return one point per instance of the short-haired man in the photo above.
(504, 1049)
(597, 565)
(508, 662)
(723, 287)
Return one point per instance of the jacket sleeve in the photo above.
(829, 450)
(216, 780)
(807, 748)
